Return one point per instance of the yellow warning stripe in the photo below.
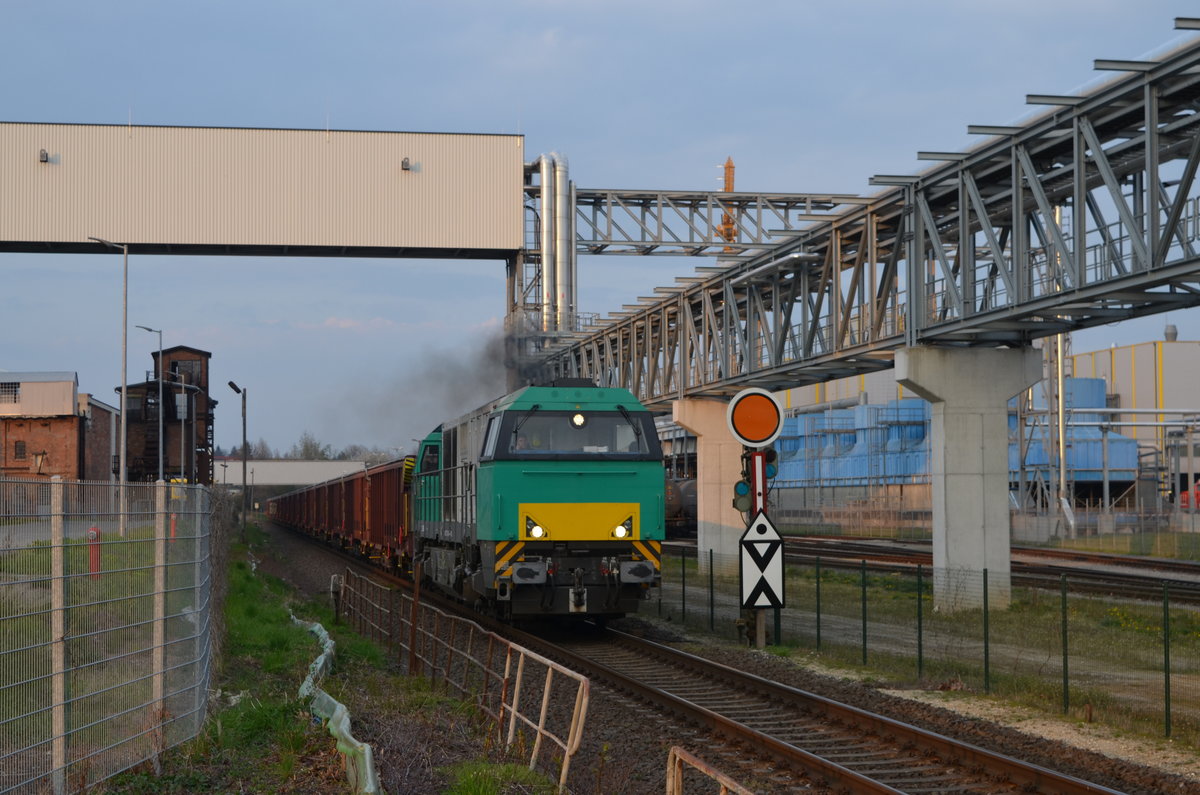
(651, 551)
(505, 551)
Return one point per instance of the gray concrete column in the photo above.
(718, 467)
(969, 389)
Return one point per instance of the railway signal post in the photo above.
(756, 419)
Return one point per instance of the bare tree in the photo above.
(309, 448)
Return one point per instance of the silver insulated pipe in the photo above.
(546, 243)
(564, 246)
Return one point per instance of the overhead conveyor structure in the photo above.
(1084, 215)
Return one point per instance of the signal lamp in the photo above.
(742, 502)
(741, 488)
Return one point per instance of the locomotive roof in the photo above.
(569, 397)
(563, 397)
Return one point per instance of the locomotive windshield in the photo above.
(545, 433)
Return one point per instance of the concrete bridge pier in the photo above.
(969, 389)
(719, 525)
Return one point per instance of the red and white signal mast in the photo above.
(756, 420)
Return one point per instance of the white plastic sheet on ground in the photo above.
(360, 760)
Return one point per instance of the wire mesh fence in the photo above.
(1132, 663)
(105, 599)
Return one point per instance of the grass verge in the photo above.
(259, 738)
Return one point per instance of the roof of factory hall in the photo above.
(283, 472)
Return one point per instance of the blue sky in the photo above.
(805, 96)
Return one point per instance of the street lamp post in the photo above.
(182, 425)
(245, 495)
(124, 247)
(158, 377)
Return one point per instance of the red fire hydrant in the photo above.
(93, 535)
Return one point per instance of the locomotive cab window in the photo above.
(545, 433)
(489, 442)
(429, 462)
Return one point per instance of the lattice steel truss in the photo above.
(696, 224)
(1085, 215)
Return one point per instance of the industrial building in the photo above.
(187, 418)
(855, 452)
(48, 427)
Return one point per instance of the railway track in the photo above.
(1094, 573)
(770, 732)
(831, 745)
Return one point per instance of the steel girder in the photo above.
(1087, 214)
(695, 224)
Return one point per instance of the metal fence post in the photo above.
(987, 650)
(1066, 679)
(58, 641)
(818, 602)
(920, 627)
(1167, 658)
(158, 643)
(712, 598)
(864, 612)
(682, 588)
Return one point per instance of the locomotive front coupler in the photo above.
(578, 591)
(547, 599)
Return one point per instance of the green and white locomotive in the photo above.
(548, 501)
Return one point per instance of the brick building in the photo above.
(48, 427)
(187, 419)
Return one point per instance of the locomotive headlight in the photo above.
(624, 529)
(578, 420)
(534, 530)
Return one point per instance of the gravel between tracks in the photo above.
(626, 743)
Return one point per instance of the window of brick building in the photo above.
(19, 450)
(190, 369)
(10, 391)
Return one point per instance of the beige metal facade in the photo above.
(260, 191)
(1159, 374)
(37, 394)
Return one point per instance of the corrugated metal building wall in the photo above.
(260, 191)
(1159, 374)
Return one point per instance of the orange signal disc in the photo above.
(754, 418)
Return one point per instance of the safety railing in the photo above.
(680, 761)
(104, 628)
(521, 691)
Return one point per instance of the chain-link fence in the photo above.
(105, 597)
(1127, 662)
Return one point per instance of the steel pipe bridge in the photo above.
(1084, 215)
